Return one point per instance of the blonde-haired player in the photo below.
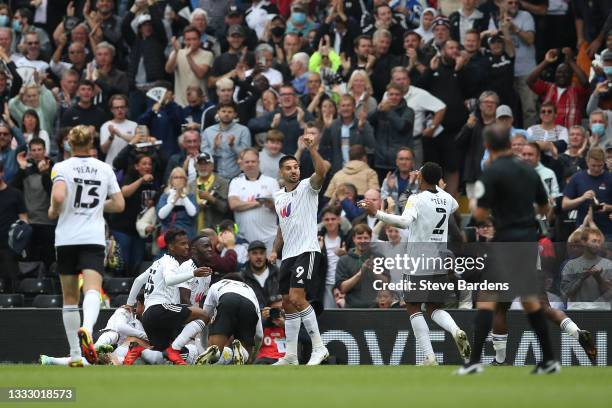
(83, 188)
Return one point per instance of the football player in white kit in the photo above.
(426, 216)
(83, 189)
(164, 316)
(235, 309)
(124, 324)
(296, 205)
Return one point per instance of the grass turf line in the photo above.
(333, 386)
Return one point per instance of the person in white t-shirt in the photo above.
(79, 194)
(426, 216)
(250, 197)
(296, 205)
(117, 132)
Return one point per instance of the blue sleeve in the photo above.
(351, 210)
(571, 189)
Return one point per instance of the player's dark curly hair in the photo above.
(172, 234)
(431, 173)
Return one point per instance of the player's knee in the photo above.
(298, 300)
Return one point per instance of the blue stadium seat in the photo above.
(11, 300)
(35, 286)
(46, 301)
(118, 300)
(115, 286)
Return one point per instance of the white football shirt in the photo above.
(89, 182)
(120, 317)
(197, 285)
(230, 286)
(297, 218)
(429, 212)
(155, 289)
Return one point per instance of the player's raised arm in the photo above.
(321, 166)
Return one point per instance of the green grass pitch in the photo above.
(313, 387)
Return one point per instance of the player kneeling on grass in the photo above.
(122, 328)
(237, 315)
(164, 316)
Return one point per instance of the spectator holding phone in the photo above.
(273, 345)
(591, 187)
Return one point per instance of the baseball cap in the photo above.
(205, 157)
(234, 12)
(143, 18)
(256, 245)
(503, 110)
(441, 21)
(236, 29)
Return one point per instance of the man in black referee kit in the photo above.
(508, 190)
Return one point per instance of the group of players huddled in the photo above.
(165, 319)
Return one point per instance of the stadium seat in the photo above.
(46, 301)
(34, 286)
(118, 300)
(11, 300)
(2, 287)
(115, 286)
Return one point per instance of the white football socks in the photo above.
(499, 345)
(309, 318)
(91, 309)
(293, 322)
(72, 323)
(445, 321)
(108, 337)
(568, 326)
(189, 332)
(421, 332)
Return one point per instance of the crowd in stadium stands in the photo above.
(194, 102)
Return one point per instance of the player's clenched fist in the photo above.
(202, 272)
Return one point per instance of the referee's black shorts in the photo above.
(297, 271)
(163, 323)
(72, 259)
(236, 316)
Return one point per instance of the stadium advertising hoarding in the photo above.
(358, 336)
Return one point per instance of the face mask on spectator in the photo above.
(607, 71)
(598, 129)
(17, 26)
(298, 17)
(278, 31)
(4, 20)
(67, 146)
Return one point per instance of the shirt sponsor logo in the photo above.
(285, 211)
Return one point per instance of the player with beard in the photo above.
(296, 205)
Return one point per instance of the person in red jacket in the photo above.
(273, 345)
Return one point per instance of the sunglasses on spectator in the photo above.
(546, 111)
(287, 94)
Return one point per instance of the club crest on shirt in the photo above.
(285, 211)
